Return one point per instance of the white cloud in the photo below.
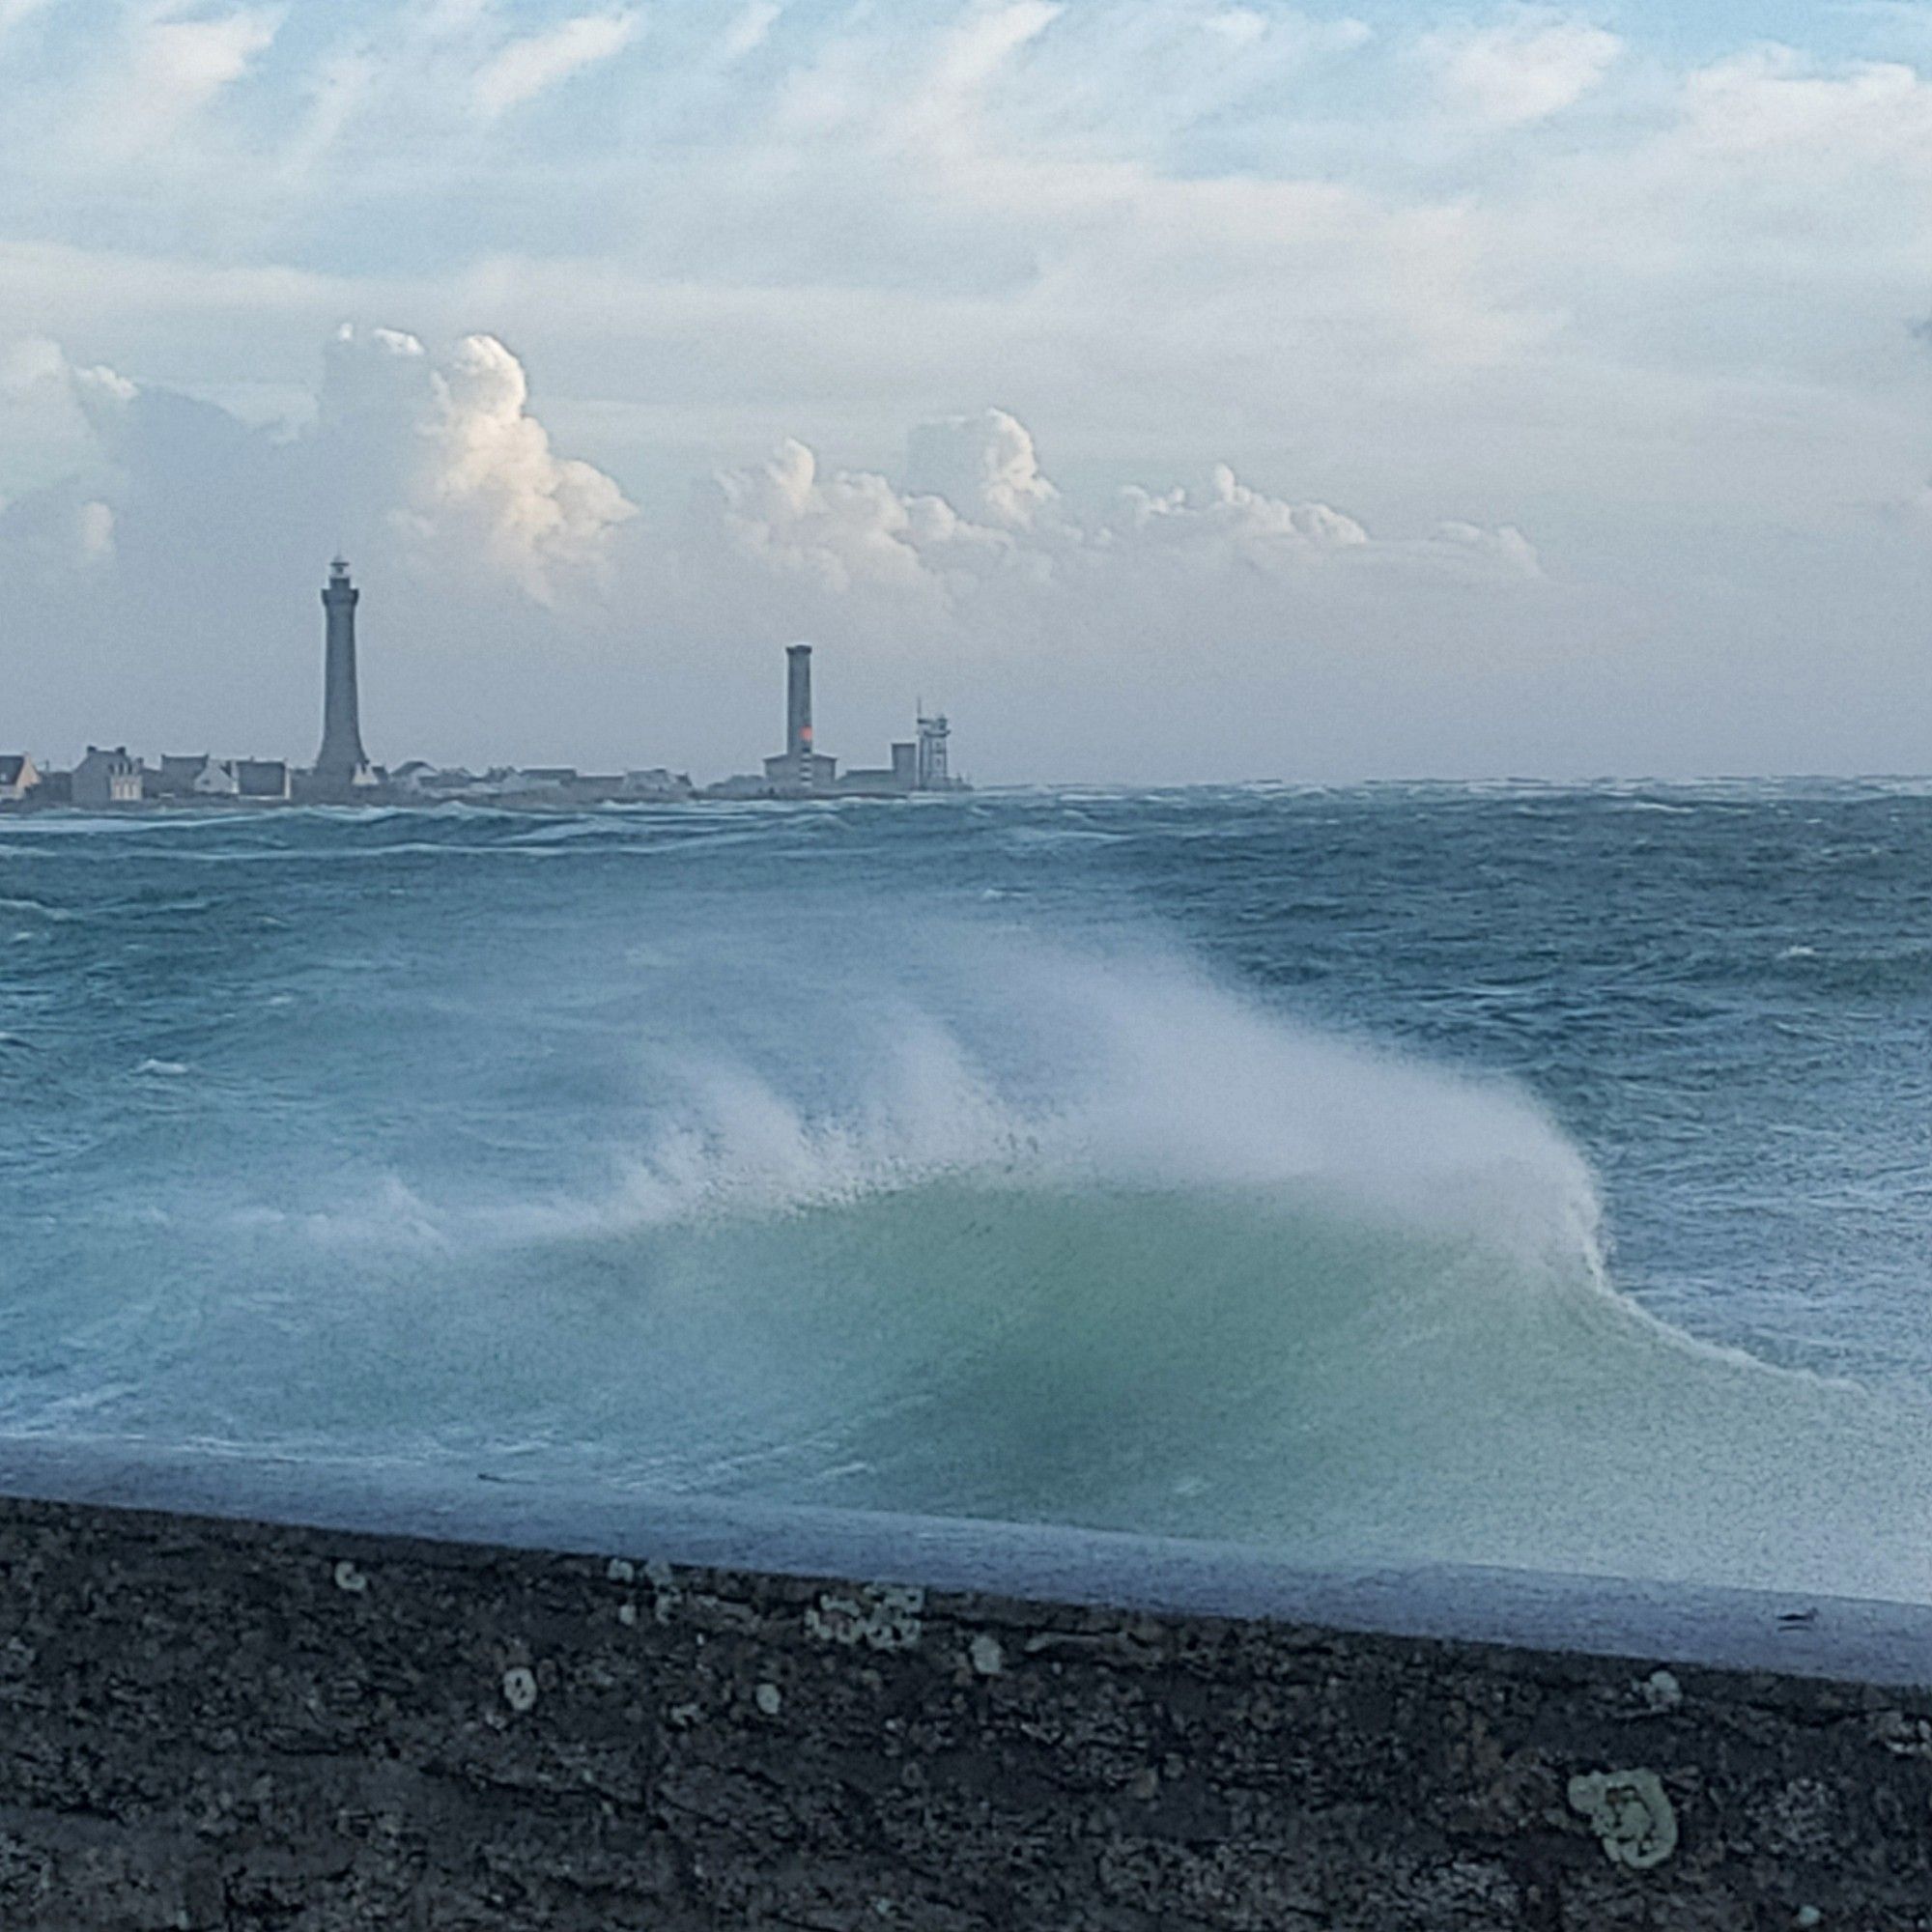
(1236, 524)
(1481, 555)
(1773, 107)
(173, 65)
(985, 467)
(15, 13)
(499, 568)
(338, 90)
(1530, 66)
(977, 49)
(838, 533)
(469, 473)
(751, 30)
(971, 58)
(437, 462)
(1235, 531)
(539, 62)
(436, 466)
(978, 518)
(1239, 26)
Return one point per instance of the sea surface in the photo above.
(1519, 1175)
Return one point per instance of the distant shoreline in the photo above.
(230, 807)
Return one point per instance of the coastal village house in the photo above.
(107, 778)
(175, 776)
(201, 776)
(241, 778)
(261, 778)
(18, 775)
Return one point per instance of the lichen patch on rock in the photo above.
(882, 1616)
(1660, 1692)
(520, 1688)
(988, 1657)
(1631, 1813)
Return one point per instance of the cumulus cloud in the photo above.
(532, 66)
(468, 470)
(437, 462)
(1234, 523)
(979, 526)
(442, 462)
(1532, 65)
(517, 603)
(433, 471)
(984, 466)
(838, 533)
(1232, 529)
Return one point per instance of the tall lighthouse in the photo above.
(342, 761)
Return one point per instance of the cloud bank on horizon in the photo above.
(1179, 388)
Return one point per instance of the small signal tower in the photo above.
(934, 771)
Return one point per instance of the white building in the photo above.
(214, 779)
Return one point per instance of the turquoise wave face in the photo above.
(1183, 1164)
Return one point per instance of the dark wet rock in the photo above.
(220, 1726)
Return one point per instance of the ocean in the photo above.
(1514, 1175)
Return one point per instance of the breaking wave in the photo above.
(1085, 1238)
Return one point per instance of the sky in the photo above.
(1171, 389)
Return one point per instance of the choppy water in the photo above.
(1520, 1175)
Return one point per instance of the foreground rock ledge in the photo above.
(217, 1724)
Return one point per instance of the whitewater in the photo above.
(1522, 1176)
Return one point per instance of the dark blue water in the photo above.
(1522, 1176)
